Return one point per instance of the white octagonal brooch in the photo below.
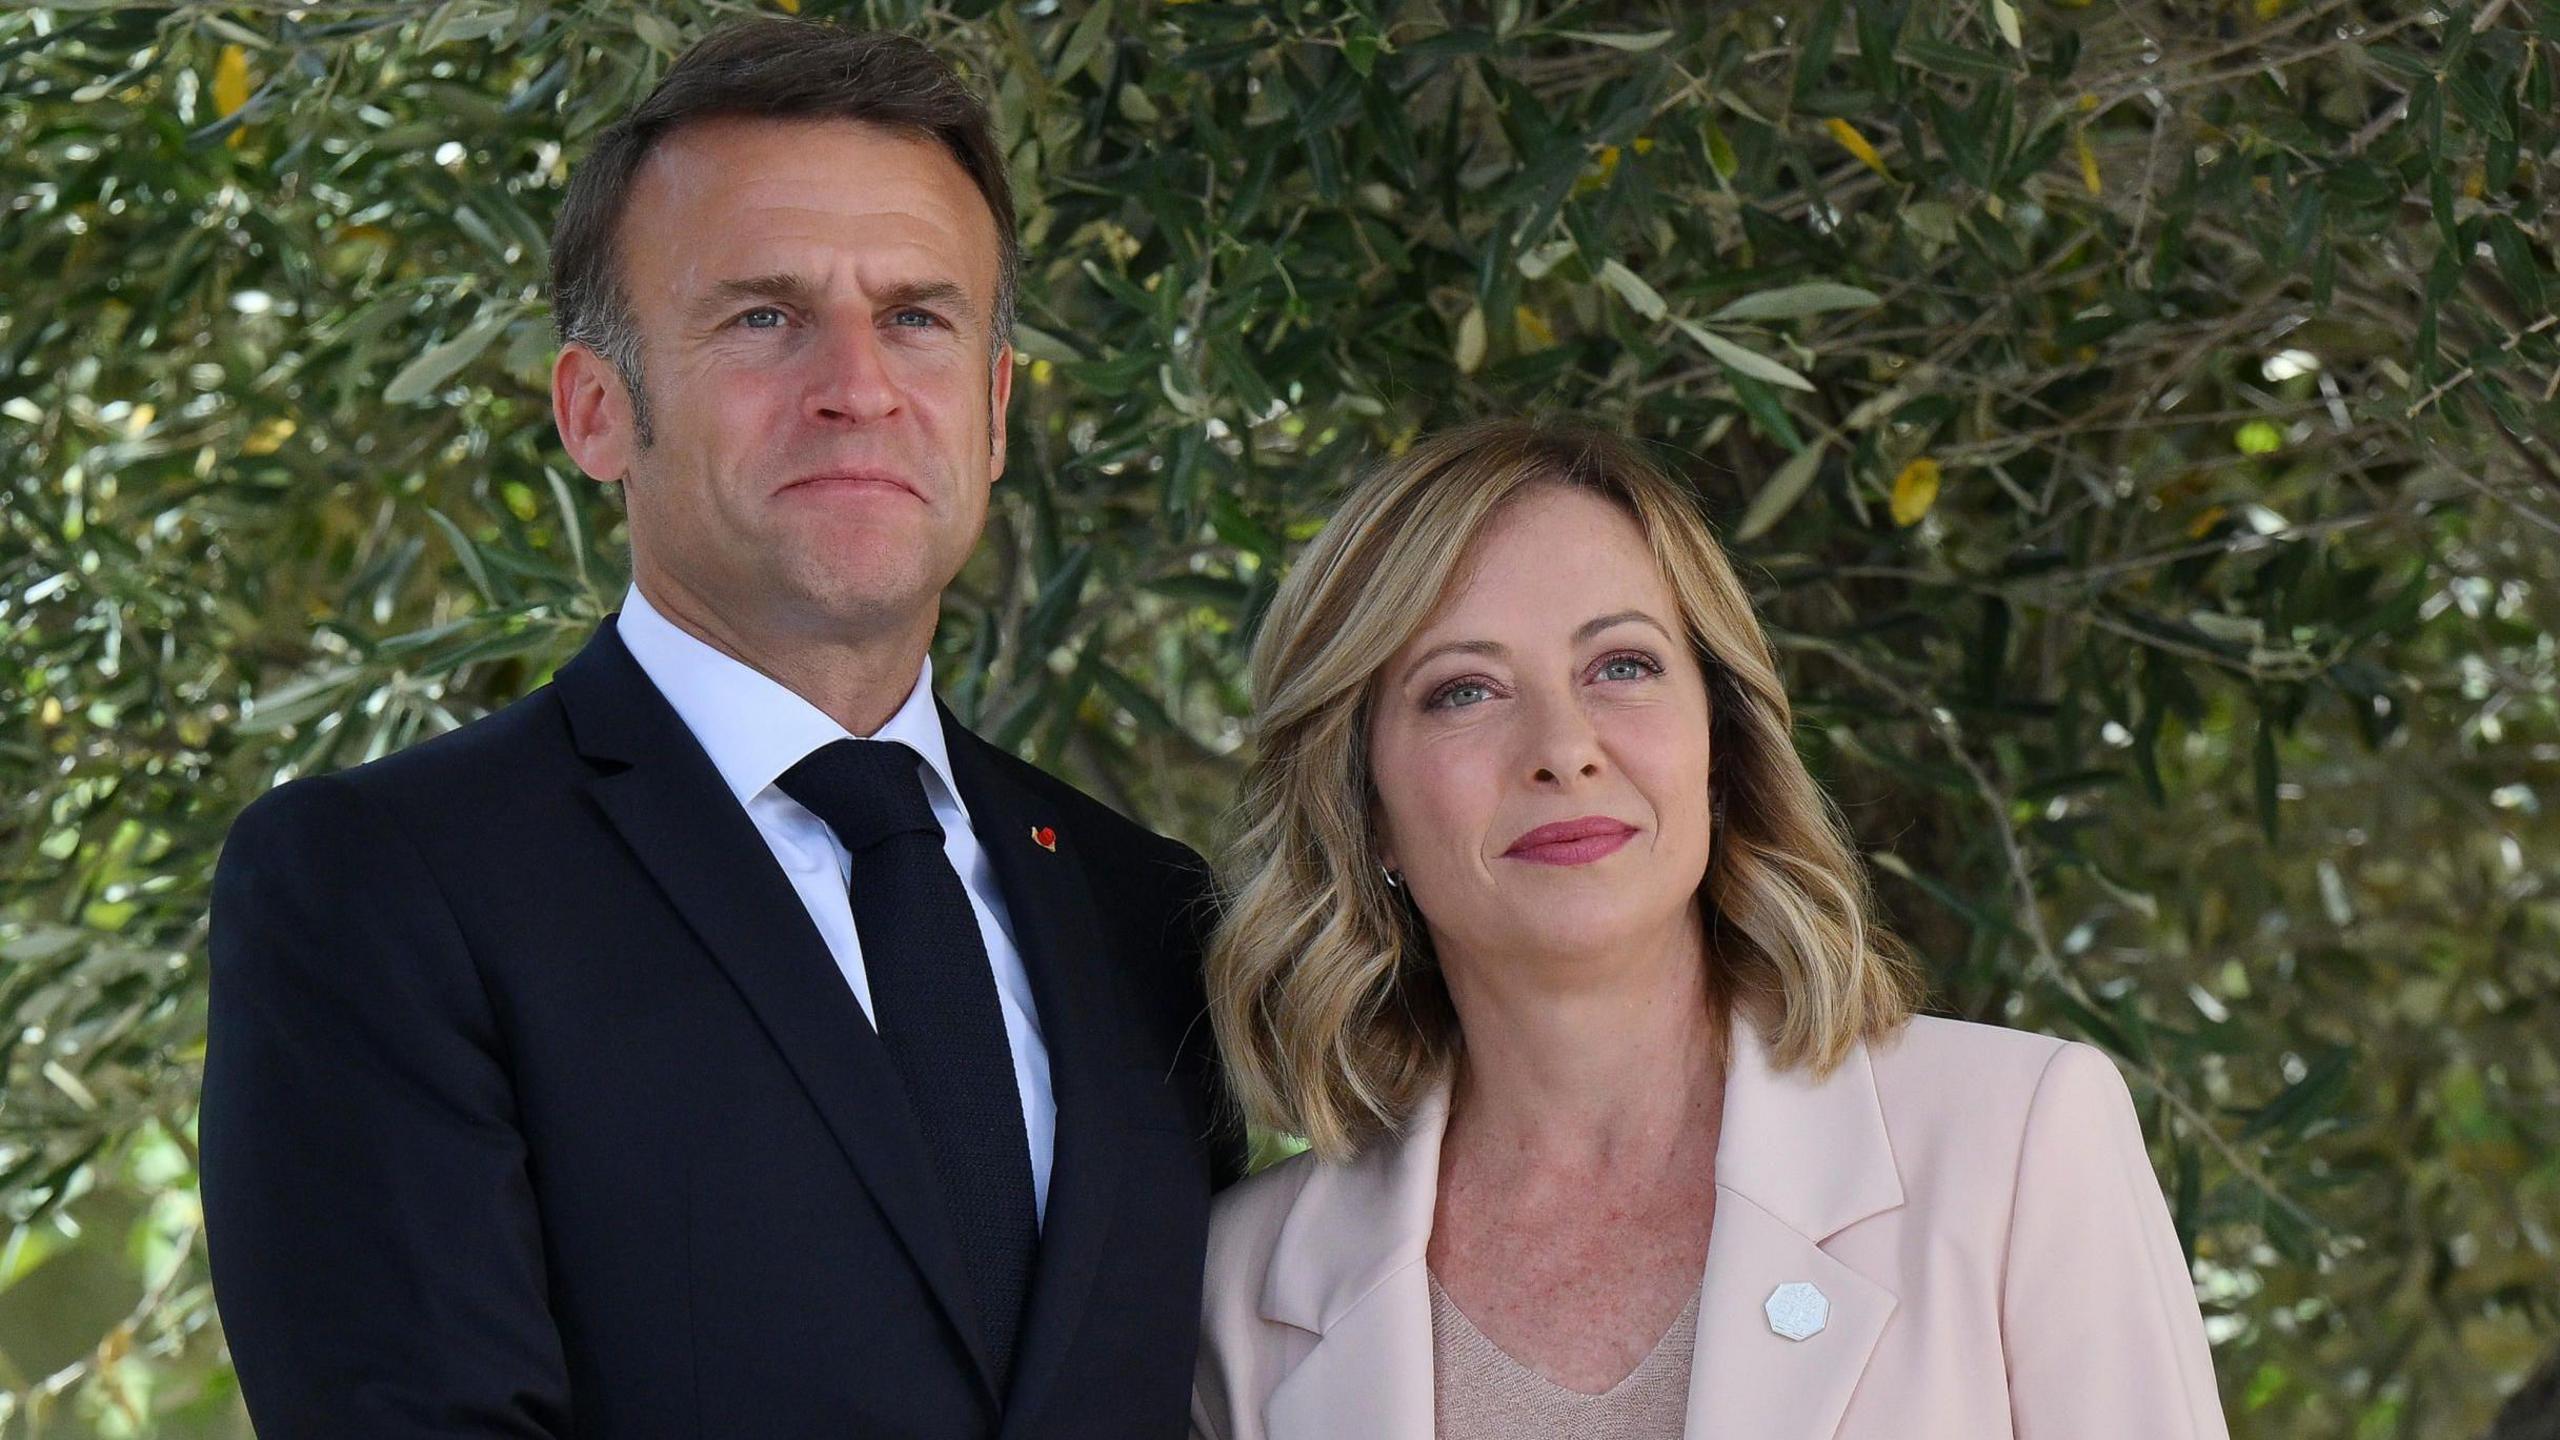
(1798, 1310)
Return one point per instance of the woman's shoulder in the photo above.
(1963, 1055)
(1245, 1218)
(1958, 1096)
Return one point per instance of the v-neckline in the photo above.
(1443, 1301)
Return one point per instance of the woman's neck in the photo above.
(1589, 1069)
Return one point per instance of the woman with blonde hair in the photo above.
(1620, 1122)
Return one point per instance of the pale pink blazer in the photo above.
(1974, 1205)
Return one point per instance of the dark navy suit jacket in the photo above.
(535, 1106)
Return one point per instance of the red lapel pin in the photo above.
(1047, 838)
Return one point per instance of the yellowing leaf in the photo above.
(1470, 352)
(1595, 176)
(1533, 328)
(1856, 144)
(789, 7)
(230, 81)
(269, 437)
(1720, 152)
(1915, 490)
(2088, 163)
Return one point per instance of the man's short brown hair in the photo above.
(762, 69)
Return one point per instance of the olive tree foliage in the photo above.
(2136, 420)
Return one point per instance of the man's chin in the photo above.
(872, 601)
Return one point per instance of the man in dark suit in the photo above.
(721, 1041)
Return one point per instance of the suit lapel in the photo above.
(1058, 930)
(1747, 1379)
(662, 793)
(1799, 1161)
(1371, 1374)
(1349, 1265)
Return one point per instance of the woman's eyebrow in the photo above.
(1454, 647)
(1620, 617)
(1587, 629)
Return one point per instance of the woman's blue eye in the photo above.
(1448, 697)
(1628, 667)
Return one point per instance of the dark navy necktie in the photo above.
(933, 1000)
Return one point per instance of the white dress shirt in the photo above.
(754, 728)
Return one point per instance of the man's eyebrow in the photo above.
(935, 294)
(785, 288)
(800, 292)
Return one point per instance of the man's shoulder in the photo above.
(505, 749)
(483, 766)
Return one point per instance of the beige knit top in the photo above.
(1484, 1394)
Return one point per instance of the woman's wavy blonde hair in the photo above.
(1323, 989)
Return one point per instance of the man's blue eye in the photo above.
(920, 317)
(753, 319)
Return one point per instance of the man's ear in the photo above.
(593, 412)
(999, 401)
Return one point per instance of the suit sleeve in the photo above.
(1195, 909)
(376, 1254)
(1203, 1427)
(2098, 1312)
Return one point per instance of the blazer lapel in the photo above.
(1370, 1374)
(1799, 1161)
(661, 792)
(1058, 930)
(1349, 1266)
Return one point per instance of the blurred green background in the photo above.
(2136, 420)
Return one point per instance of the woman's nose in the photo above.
(1562, 741)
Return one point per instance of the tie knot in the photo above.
(866, 791)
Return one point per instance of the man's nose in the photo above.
(850, 380)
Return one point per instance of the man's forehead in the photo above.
(853, 159)
(732, 198)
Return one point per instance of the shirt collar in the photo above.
(753, 726)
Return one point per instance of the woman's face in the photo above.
(1540, 747)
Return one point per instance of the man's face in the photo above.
(815, 303)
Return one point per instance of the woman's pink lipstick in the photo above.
(1571, 842)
